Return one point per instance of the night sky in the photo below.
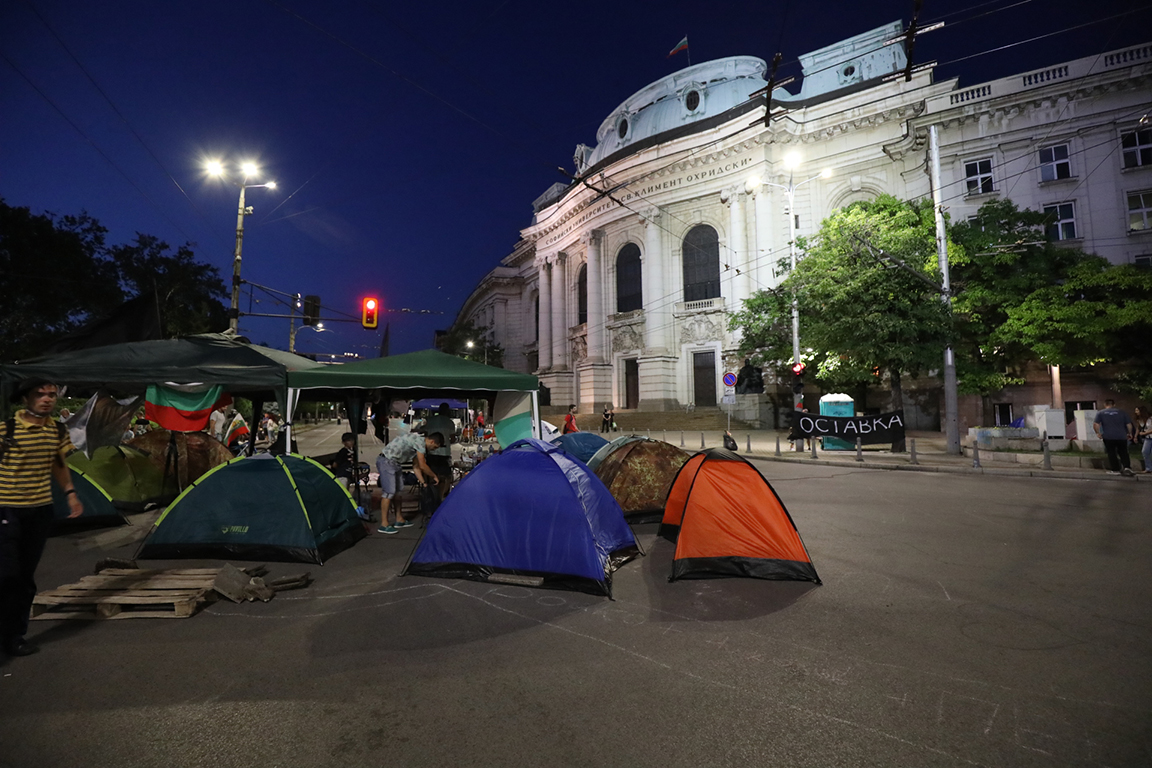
(408, 140)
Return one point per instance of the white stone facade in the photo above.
(691, 154)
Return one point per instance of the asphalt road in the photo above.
(963, 621)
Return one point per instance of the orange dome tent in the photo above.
(727, 520)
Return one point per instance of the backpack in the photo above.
(8, 440)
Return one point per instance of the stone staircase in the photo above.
(640, 422)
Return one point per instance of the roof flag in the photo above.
(680, 46)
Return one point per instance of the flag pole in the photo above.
(688, 50)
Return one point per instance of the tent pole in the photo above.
(537, 425)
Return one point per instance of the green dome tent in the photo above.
(127, 475)
(98, 506)
(264, 507)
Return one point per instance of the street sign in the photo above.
(729, 379)
(728, 400)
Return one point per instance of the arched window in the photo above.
(701, 263)
(629, 290)
(582, 295)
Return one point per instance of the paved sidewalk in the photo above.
(931, 455)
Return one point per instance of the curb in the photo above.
(993, 471)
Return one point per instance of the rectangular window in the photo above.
(1061, 221)
(978, 174)
(1137, 146)
(1054, 163)
(1140, 211)
(1144, 262)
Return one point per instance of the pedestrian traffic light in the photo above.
(370, 313)
(311, 310)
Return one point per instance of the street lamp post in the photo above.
(469, 344)
(791, 161)
(216, 168)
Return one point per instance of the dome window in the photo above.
(622, 128)
(692, 100)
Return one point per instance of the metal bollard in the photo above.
(777, 445)
(1047, 455)
(975, 456)
(749, 442)
(912, 449)
(649, 434)
(859, 450)
(681, 438)
(701, 440)
(664, 436)
(813, 442)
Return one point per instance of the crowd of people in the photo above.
(1118, 431)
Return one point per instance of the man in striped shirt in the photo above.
(34, 448)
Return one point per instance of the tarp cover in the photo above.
(529, 511)
(429, 373)
(209, 358)
(727, 520)
(283, 508)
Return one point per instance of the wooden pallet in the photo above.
(128, 593)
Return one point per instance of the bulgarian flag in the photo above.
(680, 46)
(236, 430)
(181, 407)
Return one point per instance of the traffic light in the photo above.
(311, 310)
(370, 313)
(798, 383)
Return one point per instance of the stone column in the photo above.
(765, 256)
(596, 314)
(738, 255)
(656, 286)
(544, 347)
(560, 311)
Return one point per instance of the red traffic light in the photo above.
(370, 313)
(798, 369)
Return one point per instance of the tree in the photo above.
(1100, 313)
(190, 292)
(482, 350)
(55, 275)
(865, 287)
(1003, 259)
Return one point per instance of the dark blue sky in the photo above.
(408, 142)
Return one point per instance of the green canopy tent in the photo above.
(429, 373)
(264, 507)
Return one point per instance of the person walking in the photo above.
(1113, 426)
(33, 447)
(1143, 437)
(570, 421)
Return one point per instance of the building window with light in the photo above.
(1137, 148)
(1054, 164)
(582, 295)
(701, 263)
(629, 288)
(1060, 223)
(1140, 211)
(978, 175)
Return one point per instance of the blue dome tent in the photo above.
(582, 445)
(530, 515)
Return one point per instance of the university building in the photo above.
(619, 286)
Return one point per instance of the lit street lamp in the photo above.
(791, 161)
(247, 170)
(470, 344)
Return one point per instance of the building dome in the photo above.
(681, 99)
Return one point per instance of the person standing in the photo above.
(217, 423)
(440, 459)
(1143, 438)
(607, 418)
(1113, 426)
(33, 452)
(411, 447)
(570, 421)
